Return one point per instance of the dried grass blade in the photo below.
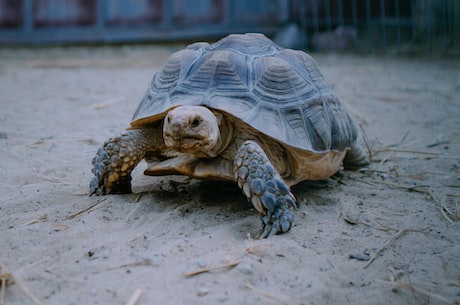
(43, 217)
(72, 216)
(20, 283)
(135, 297)
(423, 291)
(280, 298)
(229, 264)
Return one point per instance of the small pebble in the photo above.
(223, 297)
(360, 256)
(202, 291)
(3, 135)
(197, 263)
(152, 260)
(245, 268)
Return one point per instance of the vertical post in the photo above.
(354, 13)
(327, 9)
(398, 24)
(228, 13)
(383, 24)
(412, 20)
(168, 13)
(302, 18)
(28, 16)
(315, 13)
(101, 14)
(370, 33)
(340, 9)
(100, 22)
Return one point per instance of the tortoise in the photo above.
(244, 110)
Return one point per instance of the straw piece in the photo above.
(229, 264)
(72, 216)
(423, 291)
(135, 297)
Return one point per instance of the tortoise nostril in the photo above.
(196, 121)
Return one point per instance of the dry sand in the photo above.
(59, 246)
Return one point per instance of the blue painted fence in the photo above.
(337, 25)
(88, 21)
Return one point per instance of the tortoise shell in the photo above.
(279, 92)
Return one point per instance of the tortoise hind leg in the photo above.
(115, 160)
(355, 158)
(264, 187)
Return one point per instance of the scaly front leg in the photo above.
(264, 187)
(115, 160)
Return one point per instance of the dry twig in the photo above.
(231, 262)
(402, 150)
(358, 222)
(438, 142)
(72, 216)
(366, 142)
(227, 264)
(43, 217)
(389, 242)
(107, 103)
(393, 238)
(415, 188)
(53, 179)
(144, 262)
(423, 291)
(450, 215)
(6, 277)
(139, 235)
(135, 297)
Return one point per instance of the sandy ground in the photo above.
(59, 246)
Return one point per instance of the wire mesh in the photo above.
(379, 25)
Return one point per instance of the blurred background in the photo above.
(321, 25)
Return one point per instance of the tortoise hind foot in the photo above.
(355, 158)
(265, 188)
(113, 164)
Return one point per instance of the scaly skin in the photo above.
(264, 187)
(192, 134)
(355, 158)
(115, 160)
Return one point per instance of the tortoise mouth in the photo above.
(184, 143)
(189, 141)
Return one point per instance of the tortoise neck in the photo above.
(225, 137)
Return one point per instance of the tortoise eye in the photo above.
(196, 121)
(168, 119)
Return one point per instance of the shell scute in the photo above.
(276, 81)
(218, 71)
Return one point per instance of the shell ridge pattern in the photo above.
(277, 80)
(317, 125)
(218, 71)
(221, 75)
(165, 82)
(343, 129)
(279, 92)
(327, 126)
(187, 67)
(249, 44)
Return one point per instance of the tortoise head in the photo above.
(192, 130)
